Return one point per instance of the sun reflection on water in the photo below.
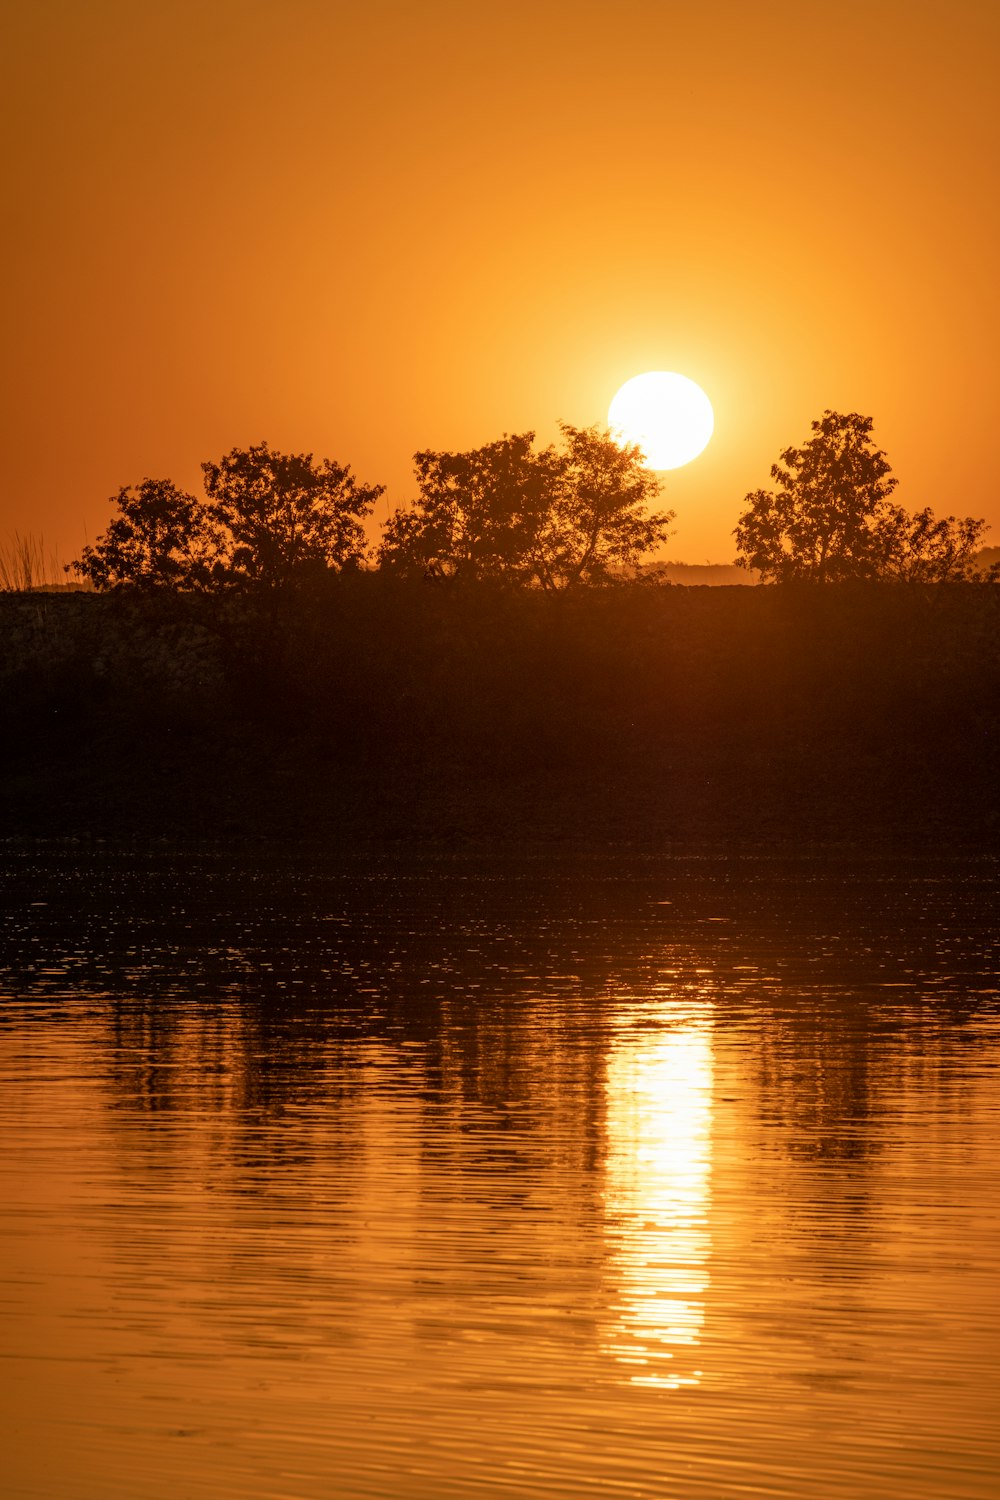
(659, 1121)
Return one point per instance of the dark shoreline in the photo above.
(377, 719)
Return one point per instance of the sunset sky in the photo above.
(360, 230)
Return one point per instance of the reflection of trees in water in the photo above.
(450, 1088)
(241, 998)
(439, 1152)
(257, 988)
(833, 1069)
(504, 1083)
(560, 1146)
(816, 1082)
(436, 1103)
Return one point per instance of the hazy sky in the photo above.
(360, 230)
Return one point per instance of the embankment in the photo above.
(375, 711)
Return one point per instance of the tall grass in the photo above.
(26, 564)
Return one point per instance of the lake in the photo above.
(568, 1177)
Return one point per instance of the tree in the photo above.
(602, 519)
(925, 549)
(479, 514)
(822, 521)
(831, 517)
(284, 516)
(549, 519)
(161, 538)
(270, 520)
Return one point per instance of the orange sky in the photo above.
(360, 230)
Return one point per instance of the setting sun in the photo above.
(667, 415)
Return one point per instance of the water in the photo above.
(670, 1179)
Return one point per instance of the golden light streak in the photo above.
(657, 1199)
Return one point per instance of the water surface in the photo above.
(673, 1178)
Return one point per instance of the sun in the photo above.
(666, 415)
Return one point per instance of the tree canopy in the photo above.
(270, 520)
(831, 517)
(925, 548)
(162, 537)
(283, 514)
(550, 518)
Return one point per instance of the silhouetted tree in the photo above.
(550, 518)
(285, 516)
(270, 520)
(822, 521)
(924, 548)
(602, 519)
(831, 517)
(479, 514)
(161, 538)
